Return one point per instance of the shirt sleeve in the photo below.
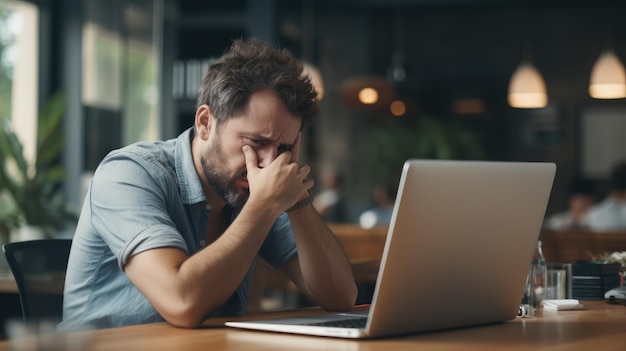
(129, 207)
(280, 244)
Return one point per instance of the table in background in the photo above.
(9, 299)
(569, 245)
(560, 246)
(7, 282)
(599, 327)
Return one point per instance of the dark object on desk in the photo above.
(39, 270)
(616, 295)
(590, 280)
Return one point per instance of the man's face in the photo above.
(579, 204)
(266, 125)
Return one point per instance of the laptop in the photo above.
(457, 252)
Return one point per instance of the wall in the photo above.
(453, 49)
(471, 51)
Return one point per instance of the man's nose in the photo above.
(266, 155)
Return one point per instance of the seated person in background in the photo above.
(581, 198)
(329, 202)
(610, 214)
(384, 198)
(170, 230)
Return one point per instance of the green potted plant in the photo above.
(387, 143)
(31, 195)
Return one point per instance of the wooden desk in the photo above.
(10, 307)
(599, 327)
(44, 283)
(361, 244)
(7, 283)
(576, 245)
(364, 247)
(558, 245)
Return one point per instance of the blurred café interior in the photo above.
(498, 80)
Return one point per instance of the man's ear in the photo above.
(204, 121)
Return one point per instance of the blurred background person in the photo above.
(610, 214)
(581, 198)
(384, 197)
(330, 201)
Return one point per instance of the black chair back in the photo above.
(39, 270)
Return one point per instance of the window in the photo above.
(120, 78)
(18, 70)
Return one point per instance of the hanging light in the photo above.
(527, 88)
(397, 108)
(368, 96)
(608, 80)
(367, 92)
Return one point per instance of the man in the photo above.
(581, 198)
(610, 213)
(171, 230)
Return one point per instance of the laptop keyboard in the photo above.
(357, 322)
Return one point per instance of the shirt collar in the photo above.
(190, 187)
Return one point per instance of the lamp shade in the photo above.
(527, 88)
(608, 79)
(367, 92)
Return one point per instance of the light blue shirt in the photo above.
(142, 197)
(608, 215)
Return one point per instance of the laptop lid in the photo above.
(457, 252)
(459, 245)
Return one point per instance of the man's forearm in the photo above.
(325, 268)
(186, 289)
(225, 263)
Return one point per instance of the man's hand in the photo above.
(281, 184)
(295, 150)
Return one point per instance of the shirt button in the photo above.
(202, 243)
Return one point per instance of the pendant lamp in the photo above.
(367, 92)
(527, 88)
(608, 80)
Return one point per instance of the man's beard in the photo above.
(218, 179)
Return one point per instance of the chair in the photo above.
(39, 270)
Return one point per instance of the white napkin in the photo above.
(562, 304)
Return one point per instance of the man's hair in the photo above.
(582, 186)
(250, 66)
(618, 177)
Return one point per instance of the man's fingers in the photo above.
(285, 157)
(296, 149)
(251, 158)
(304, 171)
(309, 183)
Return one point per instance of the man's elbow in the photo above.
(184, 322)
(344, 301)
(183, 316)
